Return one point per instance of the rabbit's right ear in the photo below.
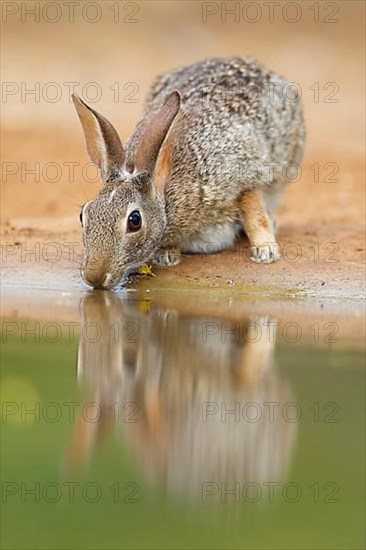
(102, 141)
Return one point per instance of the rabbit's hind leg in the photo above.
(258, 227)
(272, 196)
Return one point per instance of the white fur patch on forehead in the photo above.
(111, 195)
(121, 176)
(126, 175)
(129, 174)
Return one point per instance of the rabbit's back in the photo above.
(235, 111)
(217, 87)
(238, 127)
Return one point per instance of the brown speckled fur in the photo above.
(211, 142)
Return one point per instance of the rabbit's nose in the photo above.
(94, 281)
(94, 277)
(97, 278)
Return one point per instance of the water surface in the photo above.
(152, 420)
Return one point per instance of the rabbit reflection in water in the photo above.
(178, 382)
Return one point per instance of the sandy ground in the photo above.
(321, 235)
(321, 220)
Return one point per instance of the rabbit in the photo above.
(205, 162)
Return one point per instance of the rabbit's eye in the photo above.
(134, 221)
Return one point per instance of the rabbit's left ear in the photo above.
(102, 141)
(163, 166)
(155, 133)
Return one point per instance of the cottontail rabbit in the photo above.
(209, 157)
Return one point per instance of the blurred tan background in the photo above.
(130, 42)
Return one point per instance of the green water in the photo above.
(155, 462)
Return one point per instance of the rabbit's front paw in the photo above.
(167, 257)
(265, 253)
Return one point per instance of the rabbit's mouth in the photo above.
(101, 281)
(112, 281)
(103, 278)
(107, 282)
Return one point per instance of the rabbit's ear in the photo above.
(102, 141)
(155, 132)
(163, 166)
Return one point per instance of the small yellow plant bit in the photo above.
(144, 306)
(146, 271)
